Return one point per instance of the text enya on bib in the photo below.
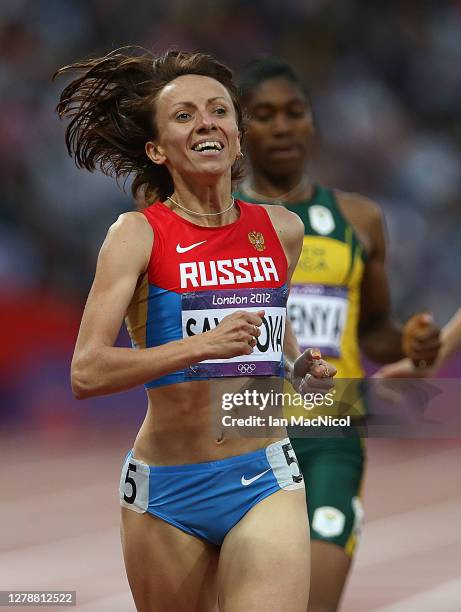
(318, 315)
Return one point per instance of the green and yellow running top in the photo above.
(324, 303)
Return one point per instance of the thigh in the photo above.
(167, 569)
(264, 562)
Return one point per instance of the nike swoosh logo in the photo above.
(180, 249)
(246, 482)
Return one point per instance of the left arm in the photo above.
(381, 338)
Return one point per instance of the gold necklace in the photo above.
(199, 214)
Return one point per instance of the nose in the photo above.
(206, 123)
(280, 125)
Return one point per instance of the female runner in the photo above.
(201, 517)
(339, 301)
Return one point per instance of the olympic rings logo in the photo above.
(246, 368)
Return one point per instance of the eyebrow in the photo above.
(210, 100)
(290, 101)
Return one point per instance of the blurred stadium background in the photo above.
(385, 80)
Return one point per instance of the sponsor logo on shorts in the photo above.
(245, 482)
(328, 521)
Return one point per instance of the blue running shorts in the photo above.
(208, 499)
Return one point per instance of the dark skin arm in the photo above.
(451, 342)
(381, 338)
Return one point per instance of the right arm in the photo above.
(450, 337)
(99, 368)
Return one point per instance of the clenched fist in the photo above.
(311, 373)
(421, 339)
(235, 335)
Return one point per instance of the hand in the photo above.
(420, 340)
(235, 335)
(312, 374)
(404, 368)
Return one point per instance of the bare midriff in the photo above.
(182, 426)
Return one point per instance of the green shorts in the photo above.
(333, 470)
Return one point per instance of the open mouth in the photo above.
(288, 149)
(208, 147)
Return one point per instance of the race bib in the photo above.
(134, 485)
(203, 311)
(318, 315)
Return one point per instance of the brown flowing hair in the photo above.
(111, 107)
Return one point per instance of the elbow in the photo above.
(82, 382)
(80, 392)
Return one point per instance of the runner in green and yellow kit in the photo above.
(339, 302)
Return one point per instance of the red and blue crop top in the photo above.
(197, 275)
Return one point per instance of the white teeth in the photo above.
(208, 145)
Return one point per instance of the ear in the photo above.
(239, 148)
(155, 153)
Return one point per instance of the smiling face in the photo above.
(197, 132)
(280, 130)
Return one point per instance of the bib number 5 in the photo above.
(131, 481)
(134, 485)
(291, 458)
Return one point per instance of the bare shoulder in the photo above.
(131, 224)
(285, 222)
(364, 215)
(290, 231)
(359, 206)
(129, 239)
(130, 227)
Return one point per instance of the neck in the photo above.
(202, 199)
(288, 188)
